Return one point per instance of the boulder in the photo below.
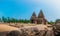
(13, 33)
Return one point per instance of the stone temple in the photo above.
(38, 20)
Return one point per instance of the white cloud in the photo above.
(51, 3)
(51, 6)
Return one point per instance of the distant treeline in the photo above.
(13, 20)
(55, 22)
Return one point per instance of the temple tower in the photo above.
(41, 15)
(33, 18)
(40, 19)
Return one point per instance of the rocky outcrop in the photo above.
(38, 30)
(13, 33)
(57, 29)
(31, 31)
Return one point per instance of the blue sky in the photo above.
(24, 8)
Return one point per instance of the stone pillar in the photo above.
(35, 22)
(42, 21)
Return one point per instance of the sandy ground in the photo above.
(5, 27)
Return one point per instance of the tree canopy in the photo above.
(13, 20)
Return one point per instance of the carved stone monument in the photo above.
(38, 20)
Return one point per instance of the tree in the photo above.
(51, 22)
(27, 21)
(57, 20)
(0, 20)
(4, 19)
(13, 20)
